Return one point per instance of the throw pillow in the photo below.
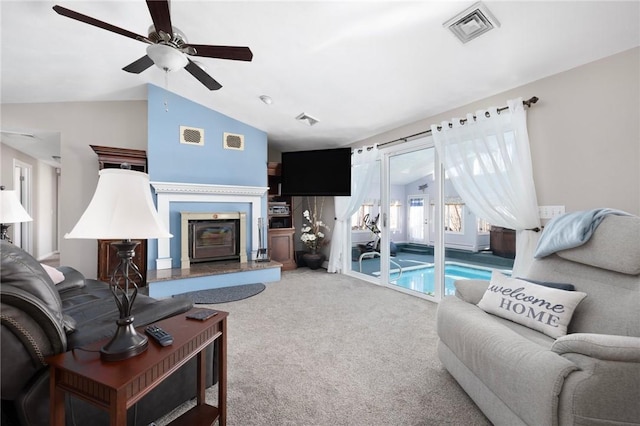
(559, 286)
(56, 276)
(544, 309)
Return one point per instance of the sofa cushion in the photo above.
(471, 291)
(541, 308)
(511, 360)
(615, 246)
(94, 309)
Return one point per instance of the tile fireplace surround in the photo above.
(172, 192)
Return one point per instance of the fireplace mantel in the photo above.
(168, 192)
(200, 188)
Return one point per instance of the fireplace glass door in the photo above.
(211, 240)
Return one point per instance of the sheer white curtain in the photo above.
(488, 161)
(364, 162)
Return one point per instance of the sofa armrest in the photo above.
(72, 279)
(600, 346)
(471, 291)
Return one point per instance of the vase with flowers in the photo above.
(313, 233)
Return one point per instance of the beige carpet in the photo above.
(326, 349)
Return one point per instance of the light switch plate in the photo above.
(549, 212)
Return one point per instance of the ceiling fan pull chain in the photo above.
(166, 86)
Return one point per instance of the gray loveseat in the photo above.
(591, 376)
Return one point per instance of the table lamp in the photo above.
(122, 209)
(11, 211)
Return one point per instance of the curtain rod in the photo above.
(528, 103)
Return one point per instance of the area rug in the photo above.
(223, 295)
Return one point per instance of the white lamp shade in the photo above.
(121, 208)
(11, 211)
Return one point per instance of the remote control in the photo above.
(159, 335)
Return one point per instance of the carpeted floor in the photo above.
(326, 349)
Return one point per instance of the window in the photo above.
(358, 218)
(483, 226)
(453, 218)
(394, 216)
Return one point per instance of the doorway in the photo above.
(22, 235)
(418, 224)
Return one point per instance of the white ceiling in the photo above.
(360, 67)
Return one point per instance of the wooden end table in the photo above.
(116, 386)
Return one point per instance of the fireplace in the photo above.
(169, 193)
(211, 240)
(210, 237)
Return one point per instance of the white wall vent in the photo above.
(233, 141)
(191, 136)
(472, 22)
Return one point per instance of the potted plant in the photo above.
(313, 233)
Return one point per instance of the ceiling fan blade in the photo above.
(97, 23)
(222, 52)
(140, 65)
(159, 10)
(202, 76)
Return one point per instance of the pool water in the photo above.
(421, 278)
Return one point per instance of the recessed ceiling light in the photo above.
(472, 22)
(266, 99)
(307, 119)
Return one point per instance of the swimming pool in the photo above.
(420, 278)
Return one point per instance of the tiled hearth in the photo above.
(208, 269)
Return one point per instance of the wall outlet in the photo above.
(549, 212)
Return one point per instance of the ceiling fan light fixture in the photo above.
(166, 57)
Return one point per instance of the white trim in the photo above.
(172, 192)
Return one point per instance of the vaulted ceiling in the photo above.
(359, 67)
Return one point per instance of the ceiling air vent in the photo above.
(472, 22)
(233, 141)
(191, 136)
(307, 119)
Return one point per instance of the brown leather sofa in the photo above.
(40, 318)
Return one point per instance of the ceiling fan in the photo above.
(168, 47)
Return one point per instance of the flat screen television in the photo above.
(325, 172)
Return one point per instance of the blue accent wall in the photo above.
(171, 161)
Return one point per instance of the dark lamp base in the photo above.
(126, 343)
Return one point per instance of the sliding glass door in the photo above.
(409, 184)
(414, 233)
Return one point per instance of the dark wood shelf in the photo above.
(281, 226)
(200, 415)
